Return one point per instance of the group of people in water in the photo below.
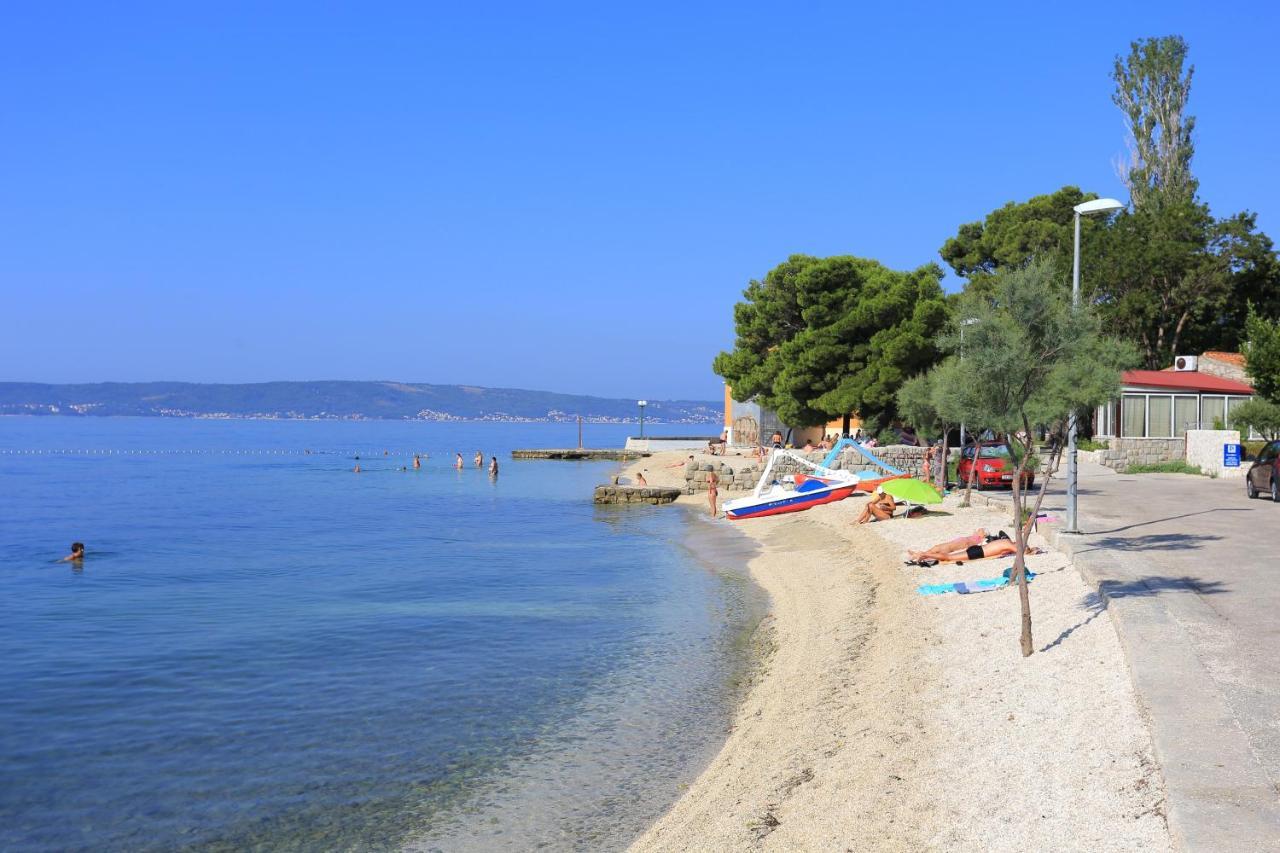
(478, 459)
(459, 463)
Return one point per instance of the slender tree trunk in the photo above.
(942, 462)
(973, 471)
(1018, 575)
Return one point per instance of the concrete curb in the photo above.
(1219, 797)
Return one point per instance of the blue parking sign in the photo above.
(1231, 455)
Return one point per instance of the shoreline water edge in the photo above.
(878, 718)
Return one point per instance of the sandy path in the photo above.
(886, 720)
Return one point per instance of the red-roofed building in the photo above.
(1193, 394)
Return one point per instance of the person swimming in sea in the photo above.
(493, 466)
(76, 555)
(457, 463)
(417, 461)
(479, 460)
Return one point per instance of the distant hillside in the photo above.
(346, 400)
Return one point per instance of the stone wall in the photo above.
(1123, 452)
(742, 475)
(1204, 448)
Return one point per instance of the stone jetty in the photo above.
(580, 453)
(636, 494)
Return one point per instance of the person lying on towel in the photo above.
(942, 549)
(995, 548)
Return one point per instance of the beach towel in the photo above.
(968, 587)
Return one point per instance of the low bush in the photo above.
(1175, 466)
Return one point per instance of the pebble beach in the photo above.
(883, 719)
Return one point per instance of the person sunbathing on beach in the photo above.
(76, 555)
(994, 548)
(942, 549)
(879, 508)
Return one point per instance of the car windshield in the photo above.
(996, 451)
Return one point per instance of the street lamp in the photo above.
(642, 404)
(1088, 208)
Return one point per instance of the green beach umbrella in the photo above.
(912, 491)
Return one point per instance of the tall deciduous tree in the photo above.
(1169, 277)
(1262, 363)
(1029, 360)
(1152, 89)
(823, 337)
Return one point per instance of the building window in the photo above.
(1213, 412)
(1186, 415)
(1133, 416)
(1160, 416)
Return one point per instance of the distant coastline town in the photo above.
(339, 400)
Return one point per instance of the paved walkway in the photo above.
(1188, 569)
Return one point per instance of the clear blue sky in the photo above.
(488, 194)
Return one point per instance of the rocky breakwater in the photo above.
(636, 494)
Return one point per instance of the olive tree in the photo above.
(1029, 360)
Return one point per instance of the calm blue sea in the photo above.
(265, 650)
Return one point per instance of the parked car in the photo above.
(996, 466)
(1264, 473)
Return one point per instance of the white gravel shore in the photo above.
(887, 720)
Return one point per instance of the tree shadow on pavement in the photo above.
(1170, 518)
(1147, 586)
(1151, 542)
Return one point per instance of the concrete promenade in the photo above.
(1188, 570)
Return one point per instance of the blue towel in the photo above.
(968, 587)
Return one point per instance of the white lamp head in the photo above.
(1098, 205)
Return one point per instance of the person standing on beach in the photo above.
(713, 492)
(479, 459)
(493, 465)
(458, 462)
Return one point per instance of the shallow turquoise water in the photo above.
(264, 649)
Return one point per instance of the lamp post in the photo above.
(1088, 208)
(963, 323)
(642, 404)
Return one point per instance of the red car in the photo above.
(996, 466)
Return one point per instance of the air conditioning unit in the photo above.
(1186, 363)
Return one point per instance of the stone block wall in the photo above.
(1123, 452)
(743, 475)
